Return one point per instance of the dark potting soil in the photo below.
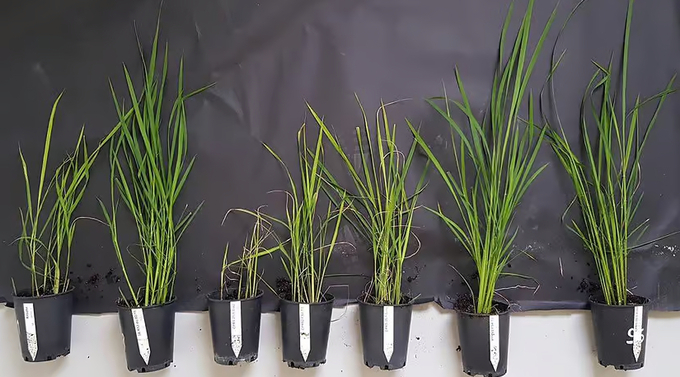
(46, 291)
(369, 299)
(284, 289)
(129, 304)
(591, 287)
(93, 280)
(111, 277)
(414, 277)
(464, 303)
(631, 300)
(124, 304)
(229, 295)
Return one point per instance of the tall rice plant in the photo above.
(379, 205)
(47, 224)
(304, 246)
(149, 167)
(493, 159)
(607, 178)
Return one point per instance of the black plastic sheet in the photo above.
(266, 59)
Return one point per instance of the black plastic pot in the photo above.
(305, 342)
(148, 333)
(44, 325)
(384, 334)
(620, 334)
(235, 328)
(484, 342)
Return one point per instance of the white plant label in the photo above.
(31, 333)
(142, 337)
(236, 335)
(494, 342)
(305, 335)
(388, 332)
(636, 332)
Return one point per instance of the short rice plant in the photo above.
(493, 160)
(379, 206)
(48, 225)
(149, 167)
(606, 179)
(309, 235)
(247, 274)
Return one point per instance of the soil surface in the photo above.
(229, 294)
(369, 299)
(464, 303)
(284, 289)
(631, 300)
(41, 292)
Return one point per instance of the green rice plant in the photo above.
(305, 252)
(607, 178)
(381, 210)
(247, 273)
(47, 224)
(499, 152)
(148, 176)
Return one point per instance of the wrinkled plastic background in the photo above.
(266, 59)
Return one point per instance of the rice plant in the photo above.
(493, 160)
(304, 246)
(607, 178)
(48, 225)
(380, 208)
(248, 273)
(148, 173)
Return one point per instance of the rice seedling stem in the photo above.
(499, 153)
(606, 179)
(148, 175)
(310, 235)
(379, 207)
(47, 224)
(247, 273)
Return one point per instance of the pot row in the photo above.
(45, 333)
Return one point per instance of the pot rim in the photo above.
(503, 313)
(592, 301)
(329, 300)
(121, 305)
(259, 294)
(24, 298)
(362, 301)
